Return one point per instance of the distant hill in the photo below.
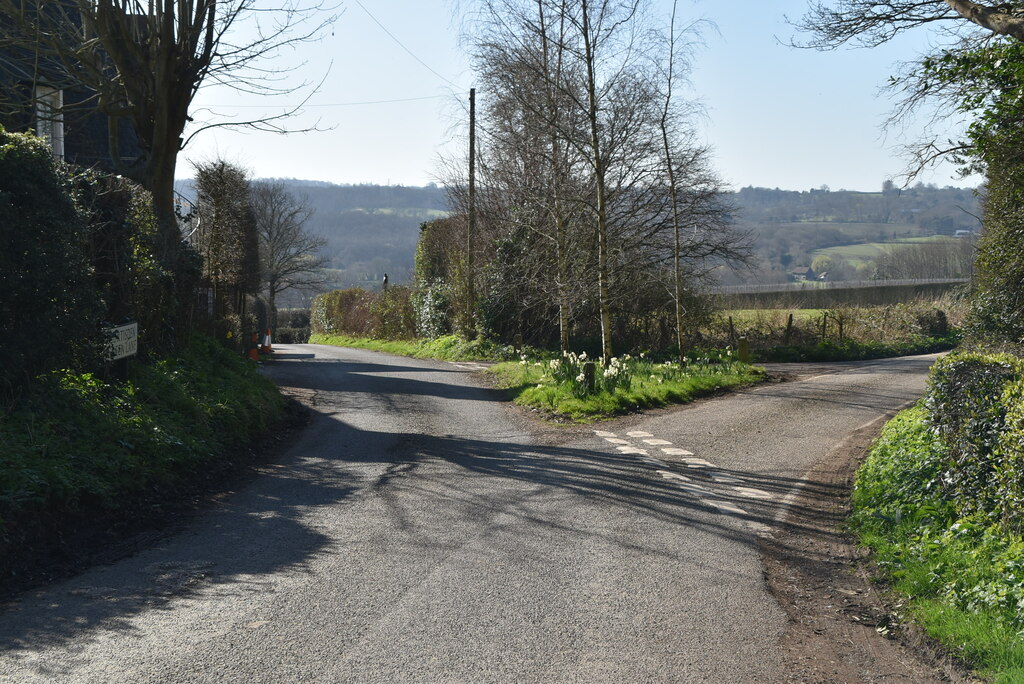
(373, 229)
(789, 228)
(370, 229)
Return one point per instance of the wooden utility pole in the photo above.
(471, 223)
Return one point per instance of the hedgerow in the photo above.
(939, 499)
(78, 445)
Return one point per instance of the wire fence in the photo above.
(811, 285)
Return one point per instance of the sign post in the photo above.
(122, 342)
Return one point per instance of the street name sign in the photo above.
(123, 341)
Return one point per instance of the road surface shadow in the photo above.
(263, 530)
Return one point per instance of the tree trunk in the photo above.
(604, 293)
(561, 284)
(677, 247)
(272, 308)
(562, 258)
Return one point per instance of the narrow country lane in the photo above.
(421, 530)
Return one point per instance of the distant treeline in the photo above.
(827, 298)
(942, 211)
(788, 226)
(373, 229)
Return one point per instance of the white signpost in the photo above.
(124, 341)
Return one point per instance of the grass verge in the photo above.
(76, 447)
(961, 579)
(851, 350)
(643, 385)
(447, 348)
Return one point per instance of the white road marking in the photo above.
(752, 493)
(602, 433)
(676, 451)
(657, 442)
(684, 483)
(724, 479)
(760, 529)
(697, 463)
(631, 450)
(726, 506)
(616, 440)
(654, 462)
(691, 488)
(668, 474)
(637, 433)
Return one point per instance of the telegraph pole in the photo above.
(471, 223)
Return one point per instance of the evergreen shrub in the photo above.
(976, 406)
(48, 306)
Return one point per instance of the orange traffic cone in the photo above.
(254, 350)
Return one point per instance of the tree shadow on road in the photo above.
(435, 492)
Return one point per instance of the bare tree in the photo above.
(574, 161)
(948, 258)
(289, 256)
(960, 28)
(144, 60)
(873, 22)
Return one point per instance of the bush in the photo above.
(291, 335)
(126, 273)
(998, 303)
(80, 445)
(963, 575)
(355, 312)
(976, 406)
(48, 305)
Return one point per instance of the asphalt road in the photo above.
(421, 530)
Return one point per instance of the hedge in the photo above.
(976, 407)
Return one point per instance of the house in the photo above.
(38, 96)
(802, 273)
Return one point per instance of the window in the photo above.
(50, 118)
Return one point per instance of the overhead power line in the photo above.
(336, 104)
(401, 45)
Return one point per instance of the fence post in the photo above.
(589, 376)
(744, 350)
(789, 329)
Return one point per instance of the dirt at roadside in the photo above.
(841, 628)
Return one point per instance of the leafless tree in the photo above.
(948, 258)
(144, 61)
(874, 22)
(959, 27)
(574, 158)
(289, 256)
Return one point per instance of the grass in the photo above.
(746, 316)
(864, 253)
(854, 350)
(447, 348)
(643, 384)
(77, 446)
(961, 579)
(649, 385)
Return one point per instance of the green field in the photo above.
(426, 214)
(741, 316)
(864, 253)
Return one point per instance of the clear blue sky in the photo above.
(776, 116)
